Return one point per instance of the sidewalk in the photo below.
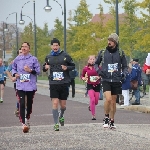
(144, 107)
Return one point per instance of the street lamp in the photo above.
(48, 8)
(6, 29)
(22, 22)
(4, 48)
(117, 19)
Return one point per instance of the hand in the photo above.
(27, 69)
(17, 76)
(13, 79)
(64, 67)
(98, 77)
(47, 66)
(85, 79)
(148, 71)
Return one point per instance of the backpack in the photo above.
(102, 55)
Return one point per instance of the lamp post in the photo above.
(117, 19)
(48, 8)
(6, 29)
(4, 49)
(34, 22)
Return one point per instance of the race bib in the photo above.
(0, 75)
(112, 67)
(93, 78)
(58, 75)
(24, 77)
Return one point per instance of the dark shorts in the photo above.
(59, 91)
(2, 82)
(95, 88)
(114, 87)
(4, 78)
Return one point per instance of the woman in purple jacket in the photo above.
(90, 75)
(25, 68)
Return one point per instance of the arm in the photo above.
(45, 65)
(36, 67)
(70, 64)
(133, 73)
(10, 76)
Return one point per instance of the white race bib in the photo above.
(112, 67)
(58, 75)
(24, 77)
(93, 78)
(0, 75)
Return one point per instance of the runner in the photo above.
(59, 64)
(90, 75)
(2, 84)
(112, 61)
(25, 68)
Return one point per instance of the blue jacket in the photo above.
(136, 73)
(126, 84)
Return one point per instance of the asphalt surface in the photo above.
(79, 132)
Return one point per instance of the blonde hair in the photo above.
(91, 56)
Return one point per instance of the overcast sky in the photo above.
(9, 6)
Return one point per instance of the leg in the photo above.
(91, 94)
(73, 87)
(2, 92)
(97, 95)
(137, 96)
(107, 102)
(28, 102)
(113, 106)
(21, 96)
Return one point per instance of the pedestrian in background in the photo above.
(90, 75)
(2, 80)
(136, 76)
(125, 89)
(73, 74)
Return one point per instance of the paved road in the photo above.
(79, 132)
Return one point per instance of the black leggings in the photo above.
(21, 95)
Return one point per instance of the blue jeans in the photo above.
(137, 94)
(101, 94)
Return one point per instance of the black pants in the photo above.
(72, 83)
(21, 95)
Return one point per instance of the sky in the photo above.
(9, 6)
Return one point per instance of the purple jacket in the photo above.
(27, 81)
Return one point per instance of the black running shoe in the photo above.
(106, 122)
(111, 124)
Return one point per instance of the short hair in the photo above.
(55, 40)
(27, 43)
(18, 51)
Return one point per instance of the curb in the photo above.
(143, 109)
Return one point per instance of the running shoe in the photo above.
(106, 122)
(25, 128)
(111, 124)
(27, 122)
(56, 127)
(61, 121)
(16, 112)
(1, 100)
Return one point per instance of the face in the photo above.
(91, 60)
(111, 44)
(55, 47)
(1, 61)
(20, 52)
(25, 49)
